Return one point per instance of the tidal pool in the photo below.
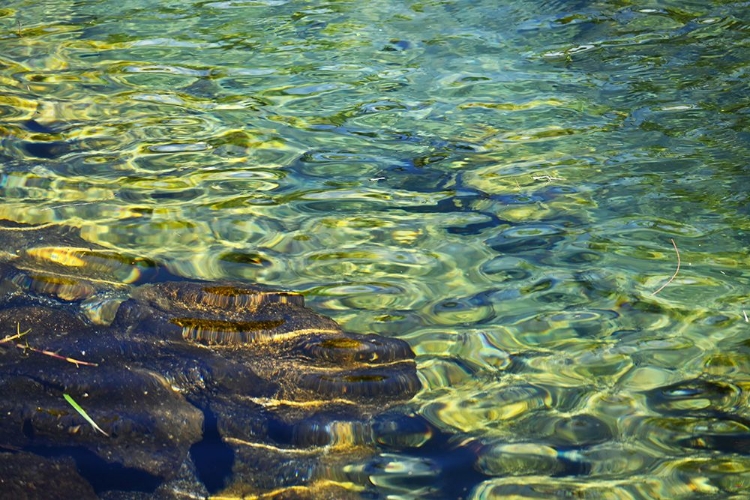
(503, 185)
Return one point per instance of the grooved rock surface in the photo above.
(197, 388)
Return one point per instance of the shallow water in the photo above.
(498, 183)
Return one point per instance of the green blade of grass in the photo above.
(83, 413)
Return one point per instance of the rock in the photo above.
(197, 388)
(26, 476)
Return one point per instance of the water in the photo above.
(498, 183)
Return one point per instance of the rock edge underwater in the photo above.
(197, 388)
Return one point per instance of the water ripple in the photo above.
(495, 182)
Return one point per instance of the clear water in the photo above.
(498, 183)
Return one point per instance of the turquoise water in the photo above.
(497, 183)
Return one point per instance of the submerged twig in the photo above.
(675, 272)
(76, 362)
(83, 413)
(18, 334)
(26, 346)
(547, 178)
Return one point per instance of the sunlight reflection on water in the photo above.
(495, 183)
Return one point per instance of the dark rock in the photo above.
(26, 476)
(196, 387)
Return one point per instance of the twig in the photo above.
(547, 178)
(76, 362)
(18, 24)
(20, 334)
(675, 272)
(745, 314)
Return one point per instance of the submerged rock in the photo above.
(196, 388)
(26, 475)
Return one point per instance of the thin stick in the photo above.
(18, 335)
(76, 362)
(547, 178)
(675, 272)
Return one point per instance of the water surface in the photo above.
(498, 183)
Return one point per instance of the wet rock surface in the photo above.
(198, 388)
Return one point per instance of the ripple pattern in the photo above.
(494, 182)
